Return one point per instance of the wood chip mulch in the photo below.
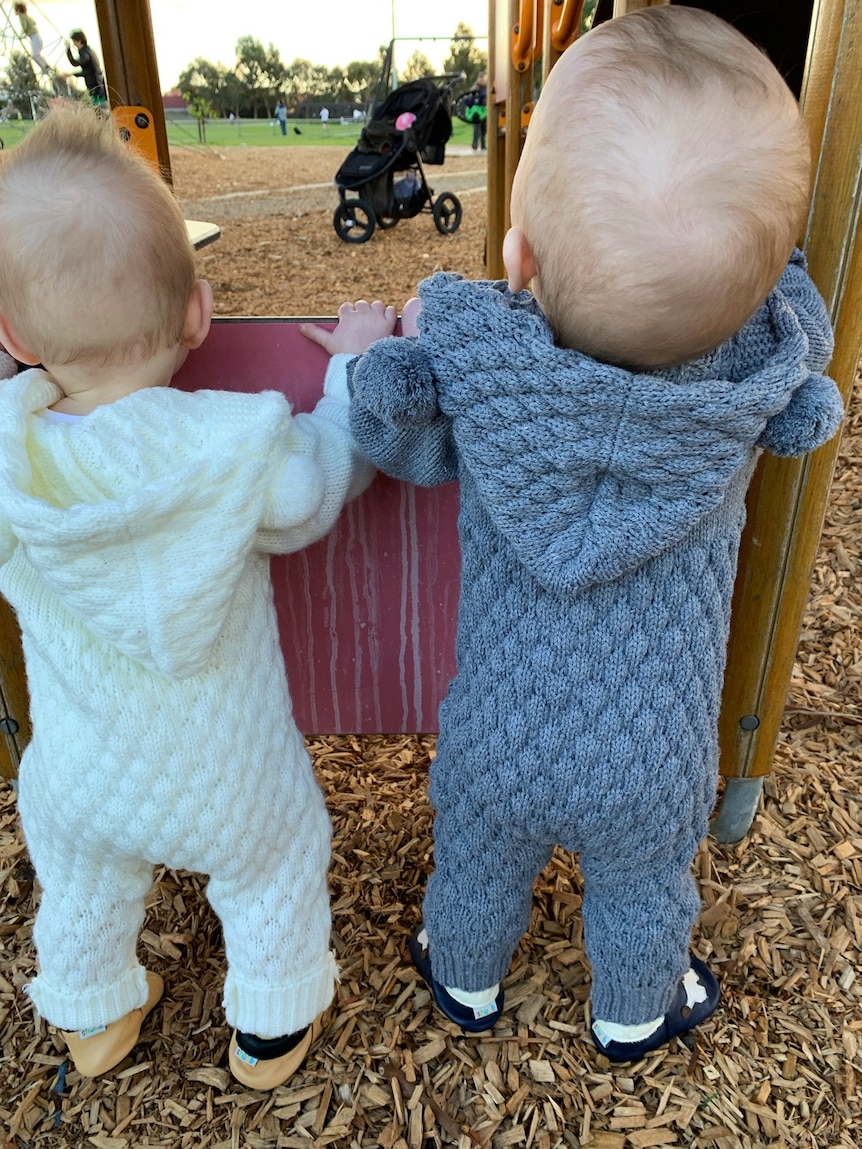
(777, 1067)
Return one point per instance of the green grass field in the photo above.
(266, 133)
(250, 133)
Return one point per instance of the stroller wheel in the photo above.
(387, 221)
(354, 221)
(447, 213)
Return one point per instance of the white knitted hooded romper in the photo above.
(134, 548)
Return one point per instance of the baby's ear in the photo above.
(13, 345)
(199, 315)
(518, 259)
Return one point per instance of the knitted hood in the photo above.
(141, 516)
(590, 470)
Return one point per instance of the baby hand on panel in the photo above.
(409, 315)
(359, 325)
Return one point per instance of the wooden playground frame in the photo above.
(787, 499)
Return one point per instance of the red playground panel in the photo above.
(368, 614)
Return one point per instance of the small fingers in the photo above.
(319, 335)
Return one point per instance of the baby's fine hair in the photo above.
(664, 181)
(96, 266)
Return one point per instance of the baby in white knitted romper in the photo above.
(136, 524)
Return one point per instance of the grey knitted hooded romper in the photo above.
(601, 513)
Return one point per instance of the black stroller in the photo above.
(384, 172)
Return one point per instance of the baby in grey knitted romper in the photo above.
(603, 430)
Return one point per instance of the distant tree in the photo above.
(361, 76)
(202, 111)
(276, 69)
(307, 81)
(261, 76)
(21, 83)
(416, 67)
(252, 70)
(232, 95)
(465, 57)
(218, 86)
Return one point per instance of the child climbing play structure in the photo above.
(374, 604)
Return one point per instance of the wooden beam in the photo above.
(788, 497)
(131, 70)
(14, 704)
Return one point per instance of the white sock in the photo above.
(607, 1031)
(476, 999)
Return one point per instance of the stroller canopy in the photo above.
(428, 103)
(382, 146)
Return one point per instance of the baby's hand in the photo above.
(359, 325)
(408, 316)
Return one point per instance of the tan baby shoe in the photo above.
(95, 1052)
(251, 1066)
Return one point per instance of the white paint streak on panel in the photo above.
(300, 561)
(357, 615)
(331, 548)
(405, 490)
(432, 574)
(371, 607)
(415, 613)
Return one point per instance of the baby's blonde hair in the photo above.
(663, 184)
(96, 266)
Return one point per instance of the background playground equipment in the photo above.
(27, 87)
(787, 499)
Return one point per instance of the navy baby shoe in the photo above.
(695, 1000)
(471, 1020)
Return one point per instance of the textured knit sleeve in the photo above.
(395, 415)
(14, 456)
(816, 409)
(318, 469)
(8, 541)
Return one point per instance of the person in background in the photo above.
(477, 112)
(281, 115)
(603, 430)
(30, 29)
(90, 70)
(324, 116)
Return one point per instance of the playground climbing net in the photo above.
(32, 62)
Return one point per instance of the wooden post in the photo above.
(788, 497)
(14, 716)
(131, 71)
(498, 86)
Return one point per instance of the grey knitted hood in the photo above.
(587, 469)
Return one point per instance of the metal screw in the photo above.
(9, 726)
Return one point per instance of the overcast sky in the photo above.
(327, 32)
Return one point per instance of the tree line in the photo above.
(259, 78)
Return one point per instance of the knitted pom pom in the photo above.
(809, 420)
(394, 379)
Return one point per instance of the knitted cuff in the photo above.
(471, 973)
(98, 1006)
(273, 1011)
(647, 993)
